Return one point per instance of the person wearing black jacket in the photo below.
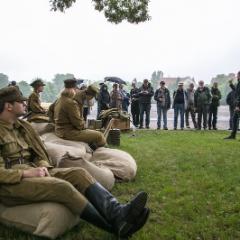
(162, 96)
(236, 114)
(103, 98)
(230, 103)
(134, 104)
(213, 108)
(145, 95)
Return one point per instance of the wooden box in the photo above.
(122, 124)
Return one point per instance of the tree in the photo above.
(3, 80)
(134, 11)
(59, 80)
(24, 88)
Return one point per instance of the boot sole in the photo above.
(137, 206)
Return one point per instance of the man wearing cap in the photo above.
(179, 105)
(202, 99)
(26, 176)
(162, 96)
(68, 116)
(36, 112)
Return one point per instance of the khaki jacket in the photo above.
(12, 148)
(67, 115)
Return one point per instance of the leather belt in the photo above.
(9, 163)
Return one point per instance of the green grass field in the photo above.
(193, 181)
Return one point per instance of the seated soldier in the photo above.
(26, 176)
(68, 118)
(36, 113)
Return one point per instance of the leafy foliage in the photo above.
(134, 11)
(3, 80)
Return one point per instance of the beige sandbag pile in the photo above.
(41, 219)
(64, 154)
(42, 128)
(121, 163)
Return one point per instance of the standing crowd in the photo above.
(201, 104)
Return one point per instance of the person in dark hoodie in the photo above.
(144, 96)
(103, 98)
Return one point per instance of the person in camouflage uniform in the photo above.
(27, 176)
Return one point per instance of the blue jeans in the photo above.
(145, 107)
(179, 108)
(161, 111)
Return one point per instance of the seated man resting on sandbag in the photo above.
(26, 176)
(36, 113)
(69, 122)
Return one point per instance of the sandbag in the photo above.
(42, 128)
(41, 219)
(68, 156)
(102, 174)
(51, 137)
(121, 163)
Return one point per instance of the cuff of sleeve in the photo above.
(43, 163)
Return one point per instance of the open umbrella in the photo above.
(115, 80)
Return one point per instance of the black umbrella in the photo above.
(79, 81)
(115, 80)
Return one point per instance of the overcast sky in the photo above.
(197, 38)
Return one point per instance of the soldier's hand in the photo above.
(35, 172)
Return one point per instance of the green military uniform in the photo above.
(36, 112)
(21, 148)
(69, 122)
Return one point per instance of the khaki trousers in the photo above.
(88, 136)
(65, 186)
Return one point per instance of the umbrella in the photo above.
(79, 81)
(115, 80)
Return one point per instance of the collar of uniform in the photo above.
(6, 125)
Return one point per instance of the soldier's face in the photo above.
(19, 108)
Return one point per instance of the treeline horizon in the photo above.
(54, 86)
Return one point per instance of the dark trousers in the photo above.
(235, 123)
(85, 113)
(231, 111)
(135, 113)
(190, 110)
(202, 114)
(212, 118)
(179, 108)
(145, 107)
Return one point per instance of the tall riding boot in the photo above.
(91, 215)
(125, 218)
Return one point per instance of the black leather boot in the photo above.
(123, 217)
(91, 215)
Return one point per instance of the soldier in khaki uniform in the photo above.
(68, 117)
(26, 176)
(36, 112)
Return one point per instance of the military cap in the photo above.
(11, 94)
(70, 83)
(92, 90)
(36, 83)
